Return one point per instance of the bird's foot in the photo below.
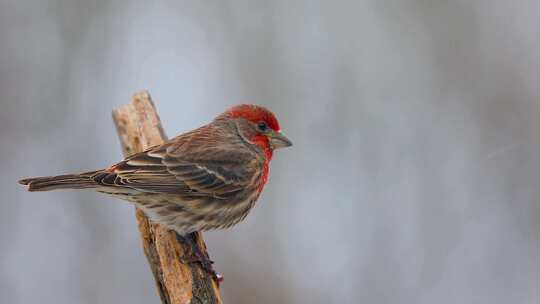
(196, 255)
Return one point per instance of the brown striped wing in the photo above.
(206, 162)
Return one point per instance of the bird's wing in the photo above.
(204, 162)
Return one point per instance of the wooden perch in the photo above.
(139, 128)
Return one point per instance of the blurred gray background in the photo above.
(413, 179)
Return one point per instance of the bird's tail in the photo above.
(67, 181)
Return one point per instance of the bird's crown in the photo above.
(252, 113)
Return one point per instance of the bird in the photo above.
(205, 179)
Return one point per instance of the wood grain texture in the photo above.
(139, 127)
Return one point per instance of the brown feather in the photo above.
(67, 181)
(204, 179)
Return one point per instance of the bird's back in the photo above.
(202, 186)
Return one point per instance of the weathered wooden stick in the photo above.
(139, 128)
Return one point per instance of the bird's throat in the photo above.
(264, 143)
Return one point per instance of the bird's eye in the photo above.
(262, 126)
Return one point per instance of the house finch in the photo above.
(208, 178)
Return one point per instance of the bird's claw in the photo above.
(206, 264)
(197, 256)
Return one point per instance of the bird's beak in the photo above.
(278, 140)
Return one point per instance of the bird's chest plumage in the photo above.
(185, 214)
(198, 214)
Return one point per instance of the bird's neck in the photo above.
(264, 174)
(262, 142)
